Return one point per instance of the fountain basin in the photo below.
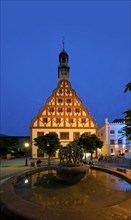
(71, 175)
(17, 207)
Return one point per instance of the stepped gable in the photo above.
(63, 109)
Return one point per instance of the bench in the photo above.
(121, 170)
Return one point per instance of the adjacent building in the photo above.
(63, 112)
(114, 143)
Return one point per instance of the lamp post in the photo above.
(48, 155)
(26, 147)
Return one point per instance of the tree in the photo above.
(7, 144)
(48, 143)
(90, 143)
(127, 127)
(128, 87)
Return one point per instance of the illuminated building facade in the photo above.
(63, 112)
(114, 143)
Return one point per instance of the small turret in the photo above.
(63, 68)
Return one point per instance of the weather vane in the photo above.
(63, 42)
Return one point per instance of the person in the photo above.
(38, 163)
(91, 163)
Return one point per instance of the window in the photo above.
(70, 120)
(111, 151)
(119, 141)
(119, 131)
(77, 110)
(68, 109)
(60, 91)
(63, 59)
(64, 135)
(112, 132)
(87, 133)
(58, 120)
(51, 110)
(76, 135)
(112, 141)
(40, 134)
(83, 120)
(59, 100)
(68, 101)
(45, 120)
(60, 110)
(68, 92)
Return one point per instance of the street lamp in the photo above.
(48, 155)
(26, 147)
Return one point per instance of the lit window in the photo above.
(76, 135)
(64, 135)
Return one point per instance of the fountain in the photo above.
(71, 169)
(70, 190)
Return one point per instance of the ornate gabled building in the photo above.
(63, 112)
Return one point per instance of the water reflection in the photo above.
(97, 190)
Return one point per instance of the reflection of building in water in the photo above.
(63, 112)
(37, 176)
(116, 183)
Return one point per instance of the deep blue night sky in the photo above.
(97, 39)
